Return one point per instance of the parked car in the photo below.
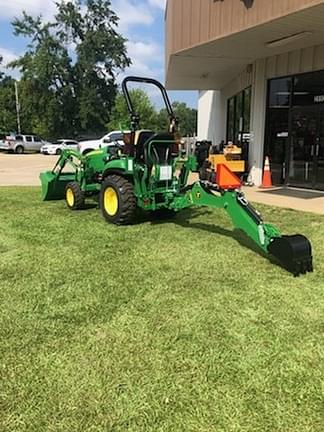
(2, 139)
(112, 139)
(58, 146)
(22, 143)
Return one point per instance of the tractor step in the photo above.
(293, 252)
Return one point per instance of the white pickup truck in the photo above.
(22, 143)
(112, 139)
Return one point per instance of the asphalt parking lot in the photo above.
(23, 170)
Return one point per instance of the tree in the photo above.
(187, 118)
(70, 92)
(142, 105)
(7, 103)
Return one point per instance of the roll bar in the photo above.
(134, 116)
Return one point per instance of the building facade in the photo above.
(259, 69)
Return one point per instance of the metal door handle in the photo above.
(312, 150)
(317, 149)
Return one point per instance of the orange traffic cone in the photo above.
(267, 180)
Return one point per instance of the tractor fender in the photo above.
(123, 167)
(113, 171)
(120, 173)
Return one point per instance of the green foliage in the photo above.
(164, 327)
(142, 106)
(7, 104)
(187, 118)
(70, 93)
(150, 118)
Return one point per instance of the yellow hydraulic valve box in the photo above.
(231, 158)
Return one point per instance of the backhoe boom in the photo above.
(293, 252)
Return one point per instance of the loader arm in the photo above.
(293, 252)
(53, 182)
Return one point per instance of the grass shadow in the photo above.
(185, 220)
(89, 206)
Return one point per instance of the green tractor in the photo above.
(150, 173)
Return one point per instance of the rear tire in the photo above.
(19, 149)
(74, 196)
(58, 151)
(117, 200)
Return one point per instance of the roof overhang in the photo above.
(214, 64)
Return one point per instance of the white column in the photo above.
(258, 114)
(211, 116)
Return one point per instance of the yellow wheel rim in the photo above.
(70, 197)
(111, 201)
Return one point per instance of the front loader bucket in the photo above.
(53, 185)
(293, 252)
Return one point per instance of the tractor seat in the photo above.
(142, 136)
(159, 149)
(140, 139)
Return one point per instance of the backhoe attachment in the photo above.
(293, 252)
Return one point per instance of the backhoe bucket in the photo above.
(293, 252)
(53, 185)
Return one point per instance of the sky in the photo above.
(141, 23)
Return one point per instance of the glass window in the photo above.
(277, 142)
(238, 116)
(19, 138)
(279, 93)
(247, 110)
(116, 136)
(28, 138)
(37, 139)
(309, 89)
(230, 119)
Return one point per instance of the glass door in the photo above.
(303, 146)
(319, 154)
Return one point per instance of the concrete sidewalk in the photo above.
(293, 198)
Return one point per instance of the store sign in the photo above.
(282, 135)
(319, 99)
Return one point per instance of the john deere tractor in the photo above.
(150, 173)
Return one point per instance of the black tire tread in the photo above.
(78, 195)
(127, 203)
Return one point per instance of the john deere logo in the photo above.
(247, 3)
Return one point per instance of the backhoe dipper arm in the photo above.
(293, 252)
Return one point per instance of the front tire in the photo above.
(74, 196)
(117, 200)
(19, 150)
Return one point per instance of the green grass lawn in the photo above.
(155, 327)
